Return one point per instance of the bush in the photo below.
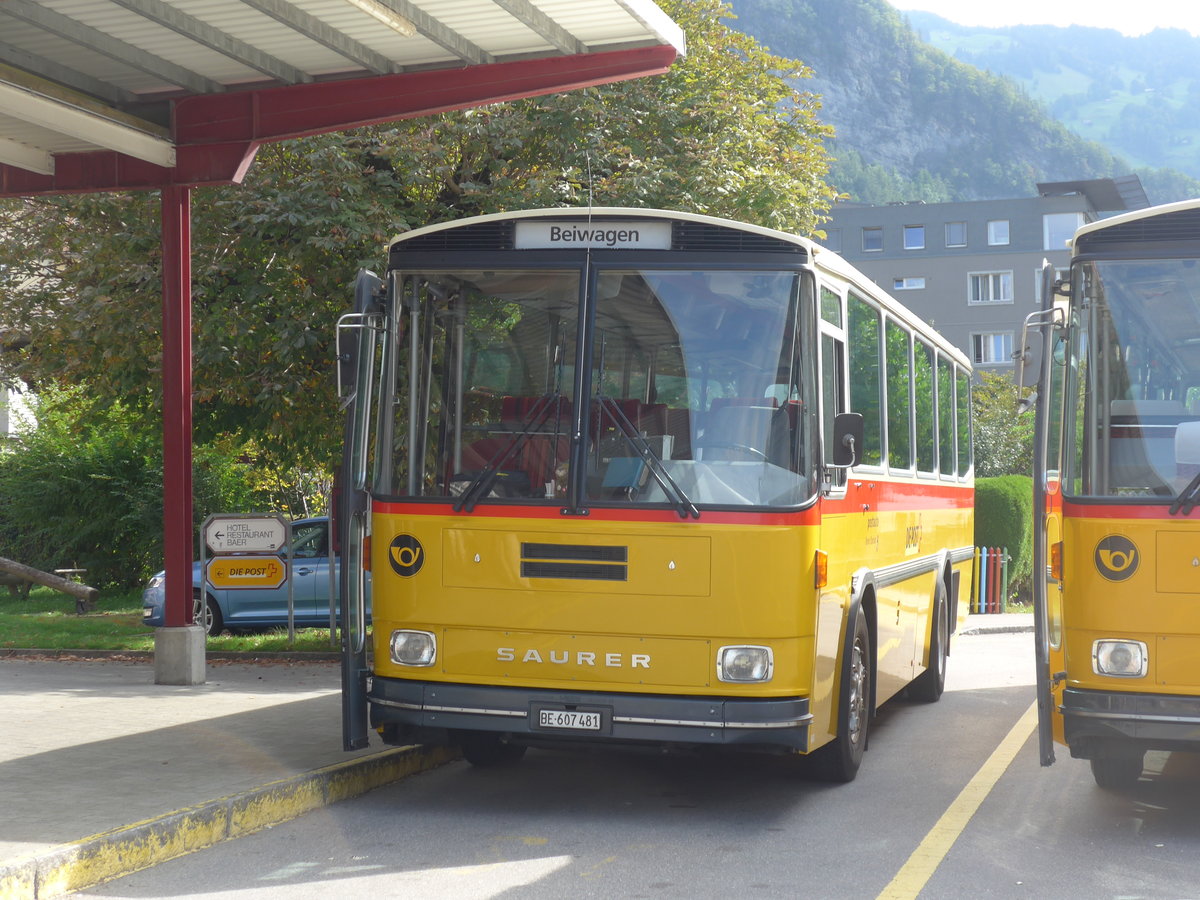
(1004, 518)
(84, 489)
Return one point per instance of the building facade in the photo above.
(973, 268)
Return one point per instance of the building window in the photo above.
(956, 234)
(1059, 275)
(992, 349)
(990, 287)
(1058, 228)
(833, 239)
(914, 237)
(908, 284)
(872, 239)
(998, 232)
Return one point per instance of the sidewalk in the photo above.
(998, 623)
(103, 772)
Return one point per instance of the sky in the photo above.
(1150, 14)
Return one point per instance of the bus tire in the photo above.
(929, 685)
(839, 760)
(485, 748)
(207, 614)
(1117, 771)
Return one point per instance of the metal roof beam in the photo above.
(316, 30)
(444, 37)
(84, 125)
(57, 72)
(93, 39)
(25, 157)
(538, 21)
(226, 44)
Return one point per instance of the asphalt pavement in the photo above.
(103, 772)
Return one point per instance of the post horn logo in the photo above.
(406, 555)
(1116, 557)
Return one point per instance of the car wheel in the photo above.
(1118, 771)
(839, 760)
(929, 685)
(205, 612)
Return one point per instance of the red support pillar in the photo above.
(177, 402)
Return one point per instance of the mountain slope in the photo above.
(912, 122)
(1138, 95)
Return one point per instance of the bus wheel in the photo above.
(928, 686)
(485, 748)
(206, 612)
(840, 759)
(1118, 771)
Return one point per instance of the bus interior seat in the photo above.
(1142, 445)
(1187, 453)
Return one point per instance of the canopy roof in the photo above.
(112, 94)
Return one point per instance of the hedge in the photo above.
(1004, 518)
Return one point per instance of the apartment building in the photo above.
(973, 268)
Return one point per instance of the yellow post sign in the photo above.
(233, 572)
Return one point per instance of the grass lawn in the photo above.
(47, 621)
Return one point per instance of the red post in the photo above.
(177, 402)
(994, 581)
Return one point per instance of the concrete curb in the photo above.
(111, 854)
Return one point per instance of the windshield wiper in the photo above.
(482, 482)
(1187, 499)
(682, 503)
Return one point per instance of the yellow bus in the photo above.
(1116, 481)
(634, 477)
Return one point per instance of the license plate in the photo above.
(569, 719)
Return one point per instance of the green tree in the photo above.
(85, 489)
(1003, 437)
(724, 132)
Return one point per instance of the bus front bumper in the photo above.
(427, 711)
(1095, 720)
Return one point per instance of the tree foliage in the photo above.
(84, 489)
(1003, 436)
(724, 132)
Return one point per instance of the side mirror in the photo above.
(848, 430)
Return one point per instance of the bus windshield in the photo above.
(609, 385)
(1135, 362)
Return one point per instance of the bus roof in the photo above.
(822, 257)
(1135, 215)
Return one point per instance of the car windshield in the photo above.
(692, 387)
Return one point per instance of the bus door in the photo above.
(360, 333)
(1051, 363)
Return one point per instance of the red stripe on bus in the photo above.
(1105, 511)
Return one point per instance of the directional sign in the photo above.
(261, 534)
(234, 572)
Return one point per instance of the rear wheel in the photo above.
(206, 613)
(839, 760)
(929, 685)
(485, 748)
(1118, 771)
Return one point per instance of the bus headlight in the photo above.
(745, 663)
(414, 648)
(1121, 659)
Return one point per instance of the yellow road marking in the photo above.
(941, 837)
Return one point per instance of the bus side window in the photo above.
(833, 397)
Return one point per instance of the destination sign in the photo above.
(598, 235)
(242, 572)
(262, 534)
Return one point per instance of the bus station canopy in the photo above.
(105, 95)
(129, 94)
